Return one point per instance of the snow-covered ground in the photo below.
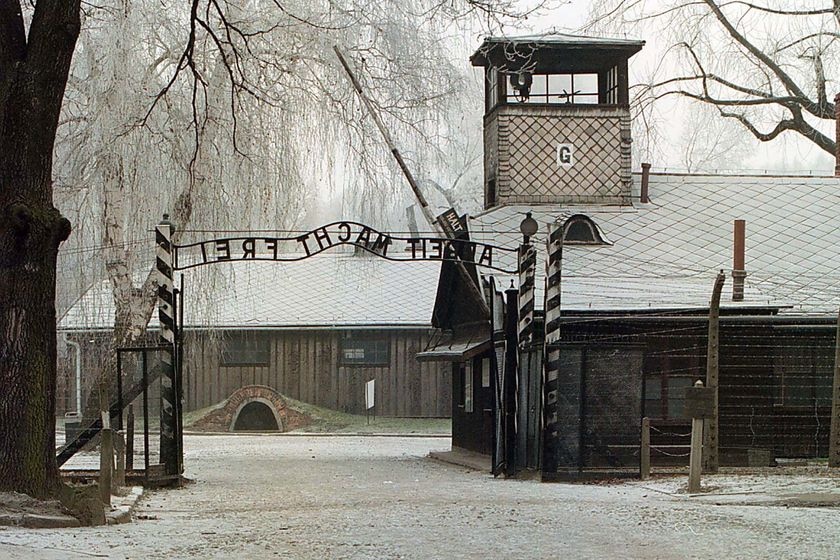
(379, 497)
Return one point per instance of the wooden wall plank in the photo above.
(412, 368)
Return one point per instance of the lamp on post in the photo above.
(528, 227)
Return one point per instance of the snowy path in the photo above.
(343, 497)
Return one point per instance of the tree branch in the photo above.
(783, 76)
(796, 124)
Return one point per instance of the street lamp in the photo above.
(528, 227)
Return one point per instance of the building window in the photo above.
(485, 373)
(581, 230)
(468, 387)
(365, 351)
(556, 89)
(805, 372)
(665, 396)
(492, 88)
(246, 349)
(672, 365)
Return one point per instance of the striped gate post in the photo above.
(551, 360)
(527, 274)
(169, 449)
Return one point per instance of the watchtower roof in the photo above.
(555, 48)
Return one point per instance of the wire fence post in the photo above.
(711, 456)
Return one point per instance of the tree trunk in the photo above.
(33, 75)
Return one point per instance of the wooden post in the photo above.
(696, 456)
(106, 458)
(129, 439)
(644, 451)
(119, 450)
(834, 438)
(711, 459)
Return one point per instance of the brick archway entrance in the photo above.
(249, 400)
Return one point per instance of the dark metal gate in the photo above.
(598, 410)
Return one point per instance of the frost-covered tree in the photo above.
(171, 104)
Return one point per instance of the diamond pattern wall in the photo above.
(521, 153)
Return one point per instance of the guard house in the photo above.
(640, 254)
(556, 121)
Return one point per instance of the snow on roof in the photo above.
(565, 39)
(666, 253)
(326, 290)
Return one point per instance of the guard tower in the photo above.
(556, 120)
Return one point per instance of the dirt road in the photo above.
(379, 498)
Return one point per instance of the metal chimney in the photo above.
(738, 272)
(645, 197)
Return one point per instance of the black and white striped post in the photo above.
(563, 382)
(527, 267)
(551, 360)
(169, 449)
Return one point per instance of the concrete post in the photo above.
(712, 374)
(696, 453)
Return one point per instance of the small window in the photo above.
(580, 230)
(246, 349)
(805, 372)
(468, 387)
(665, 396)
(365, 351)
(492, 88)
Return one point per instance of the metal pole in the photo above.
(711, 459)
(145, 418)
(834, 437)
(511, 381)
(129, 439)
(474, 290)
(119, 391)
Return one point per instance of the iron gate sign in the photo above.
(286, 249)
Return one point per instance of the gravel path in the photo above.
(379, 498)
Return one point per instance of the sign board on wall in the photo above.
(566, 155)
(369, 392)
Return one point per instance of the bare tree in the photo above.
(766, 65)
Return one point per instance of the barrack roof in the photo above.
(329, 290)
(666, 253)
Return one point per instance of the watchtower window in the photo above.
(553, 89)
(492, 95)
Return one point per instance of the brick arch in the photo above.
(224, 418)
